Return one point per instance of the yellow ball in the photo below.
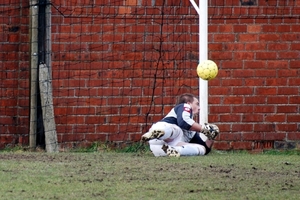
(207, 70)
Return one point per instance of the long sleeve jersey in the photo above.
(181, 115)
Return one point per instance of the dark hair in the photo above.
(185, 98)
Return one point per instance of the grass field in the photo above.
(117, 175)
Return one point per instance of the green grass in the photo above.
(139, 175)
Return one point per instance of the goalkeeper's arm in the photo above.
(196, 127)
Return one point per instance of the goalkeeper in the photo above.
(177, 134)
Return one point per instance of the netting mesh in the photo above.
(117, 65)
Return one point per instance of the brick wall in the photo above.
(256, 95)
(14, 72)
(118, 66)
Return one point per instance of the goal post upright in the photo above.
(202, 11)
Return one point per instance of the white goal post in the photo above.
(203, 46)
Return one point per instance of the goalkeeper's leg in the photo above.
(201, 139)
(164, 131)
(184, 150)
(156, 147)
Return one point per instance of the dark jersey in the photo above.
(181, 115)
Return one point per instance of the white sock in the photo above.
(190, 150)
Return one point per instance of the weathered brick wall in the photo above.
(256, 95)
(118, 66)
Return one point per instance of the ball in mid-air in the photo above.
(207, 70)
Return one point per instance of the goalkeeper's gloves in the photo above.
(211, 131)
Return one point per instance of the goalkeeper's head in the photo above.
(186, 98)
(190, 99)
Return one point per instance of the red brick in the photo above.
(234, 47)
(266, 55)
(230, 117)
(266, 91)
(84, 128)
(248, 37)
(215, 47)
(219, 109)
(275, 136)
(295, 28)
(295, 46)
(241, 145)
(229, 64)
(254, 81)
(264, 109)
(224, 127)
(283, 28)
(118, 137)
(232, 82)
(211, 28)
(219, 91)
(62, 129)
(255, 46)
(241, 127)
(222, 145)
(7, 139)
(69, 119)
(275, 118)
(84, 110)
(229, 136)
(268, 28)
(214, 118)
(295, 63)
(242, 91)
(265, 73)
(288, 55)
(226, 28)
(276, 82)
(264, 127)
(288, 90)
(284, 127)
(252, 136)
(243, 73)
(293, 136)
(243, 55)
(242, 109)
(289, 37)
(254, 28)
(255, 99)
(233, 100)
(294, 100)
(224, 37)
(277, 100)
(252, 118)
(223, 56)
(294, 81)
(287, 109)
(238, 28)
(293, 117)
(278, 47)
(288, 73)
(135, 137)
